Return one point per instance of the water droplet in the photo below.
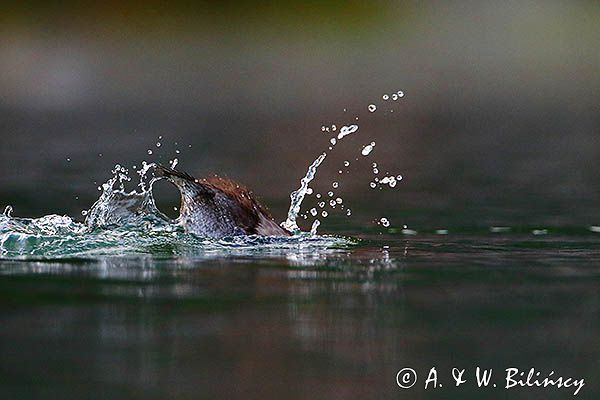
(335, 185)
(332, 203)
(373, 185)
(314, 227)
(150, 152)
(324, 214)
(158, 144)
(318, 196)
(333, 127)
(339, 200)
(368, 149)
(174, 208)
(385, 96)
(394, 97)
(400, 93)
(372, 107)
(177, 151)
(384, 222)
(321, 204)
(332, 141)
(347, 130)
(323, 128)
(340, 171)
(309, 191)
(68, 159)
(375, 171)
(313, 212)
(399, 177)
(349, 212)
(330, 194)
(346, 163)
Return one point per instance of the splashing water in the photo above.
(347, 130)
(367, 149)
(314, 227)
(128, 223)
(125, 222)
(298, 196)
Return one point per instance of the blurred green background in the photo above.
(500, 122)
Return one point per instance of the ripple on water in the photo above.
(55, 236)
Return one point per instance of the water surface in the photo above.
(337, 321)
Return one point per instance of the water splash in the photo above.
(314, 227)
(347, 130)
(122, 220)
(367, 149)
(298, 196)
(128, 223)
(118, 207)
(60, 237)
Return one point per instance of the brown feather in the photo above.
(254, 218)
(245, 211)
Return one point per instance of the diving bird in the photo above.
(219, 207)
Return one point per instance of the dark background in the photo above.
(499, 125)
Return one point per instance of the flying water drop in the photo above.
(347, 130)
(367, 149)
(314, 227)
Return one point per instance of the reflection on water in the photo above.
(329, 323)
